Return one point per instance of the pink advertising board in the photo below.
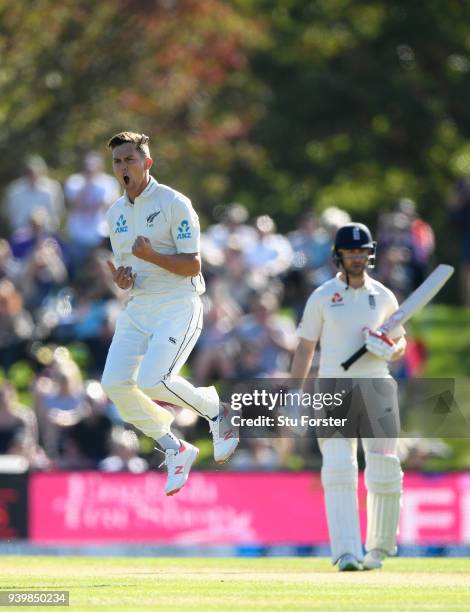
(227, 508)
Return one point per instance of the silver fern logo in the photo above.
(151, 218)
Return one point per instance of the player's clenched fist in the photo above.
(142, 248)
(122, 276)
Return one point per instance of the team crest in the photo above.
(337, 298)
(151, 218)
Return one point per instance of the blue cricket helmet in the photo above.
(354, 236)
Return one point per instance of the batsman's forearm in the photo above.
(184, 264)
(302, 362)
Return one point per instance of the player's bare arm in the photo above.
(302, 361)
(122, 276)
(184, 264)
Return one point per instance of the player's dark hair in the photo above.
(139, 140)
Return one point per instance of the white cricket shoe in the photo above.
(224, 435)
(348, 563)
(374, 559)
(178, 463)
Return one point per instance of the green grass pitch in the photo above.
(242, 584)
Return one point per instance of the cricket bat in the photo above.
(414, 302)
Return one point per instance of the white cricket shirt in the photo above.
(167, 218)
(336, 315)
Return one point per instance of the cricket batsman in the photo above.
(155, 237)
(339, 315)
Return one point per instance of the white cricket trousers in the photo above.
(154, 336)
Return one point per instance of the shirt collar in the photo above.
(367, 286)
(148, 191)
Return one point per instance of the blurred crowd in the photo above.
(58, 307)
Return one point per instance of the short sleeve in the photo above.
(185, 226)
(311, 324)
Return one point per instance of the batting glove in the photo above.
(379, 344)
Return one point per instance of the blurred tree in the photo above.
(367, 104)
(286, 104)
(72, 74)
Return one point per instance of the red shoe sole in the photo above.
(170, 493)
(222, 461)
(174, 491)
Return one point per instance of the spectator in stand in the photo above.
(271, 254)
(16, 325)
(95, 308)
(13, 421)
(312, 262)
(274, 334)
(459, 211)
(314, 235)
(422, 238)
(25, 239)
(235, 282)
(124, 453)
(406, 244)
(415, 453)
(213, 359)
(89, 194)
(88, 442)
(395, 255)
(257, 454)
(413, 362)
(249, 362)
(312, 244)
(58, 399)
(10, 267)
(34, 190)
(232, 227)
(18, 429)
(44, 274)
(332, 218)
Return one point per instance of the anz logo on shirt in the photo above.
(121, 225)
(184, 230)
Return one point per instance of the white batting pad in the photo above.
(384, 479)
(339, 479)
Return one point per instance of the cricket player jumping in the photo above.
(339, 315)
(155, 237)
